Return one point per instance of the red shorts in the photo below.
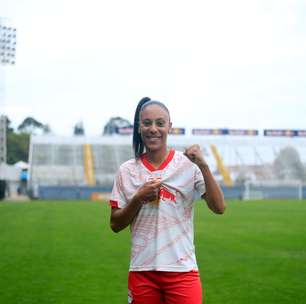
(157, 287)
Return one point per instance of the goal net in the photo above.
(273, 189)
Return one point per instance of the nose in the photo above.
(153, 128)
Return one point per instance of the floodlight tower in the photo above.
(8, 36)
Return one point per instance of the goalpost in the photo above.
(273, 189)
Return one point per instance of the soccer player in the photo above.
(153, 193)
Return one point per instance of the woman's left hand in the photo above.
(194, 153)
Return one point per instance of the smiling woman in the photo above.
(153, 193)
(154, 127)
(144, 120)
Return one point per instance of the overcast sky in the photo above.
(217, 63)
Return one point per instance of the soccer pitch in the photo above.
(64, 252)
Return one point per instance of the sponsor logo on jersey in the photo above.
(165, 194)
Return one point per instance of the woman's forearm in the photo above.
(213, 196)
(121, 218)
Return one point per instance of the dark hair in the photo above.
(138, 145)
(137, 140)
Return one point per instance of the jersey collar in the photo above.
(148, 165)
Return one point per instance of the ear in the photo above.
(170, 127)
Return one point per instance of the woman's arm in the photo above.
(213, 195)
(122, 217)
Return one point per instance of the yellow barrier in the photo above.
(221, 167)
(89, 165)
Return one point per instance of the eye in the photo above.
(147, 123)
(160, 123)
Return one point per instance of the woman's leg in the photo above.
(143, 288)
(182, 288)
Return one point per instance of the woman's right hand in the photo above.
(149, 191)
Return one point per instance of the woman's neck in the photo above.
(156, 158)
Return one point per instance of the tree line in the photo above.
(18, 141)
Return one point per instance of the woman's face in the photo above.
(154, 127)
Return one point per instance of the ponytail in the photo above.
(138, 145)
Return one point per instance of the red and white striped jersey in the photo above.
(162, 233)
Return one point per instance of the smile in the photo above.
(153, 137)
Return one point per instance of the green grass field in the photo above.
(64, 252)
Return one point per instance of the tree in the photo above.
(9, 129)
(46, 129)
(79, 129)
(288, 165)
(114, 124)
(31, 126)
(18, 143)
(17, 147)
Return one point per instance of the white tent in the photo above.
(22, 165)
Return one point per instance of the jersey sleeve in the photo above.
(118, 198)
(199, 184)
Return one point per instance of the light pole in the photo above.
(8, 35)
(2, 139)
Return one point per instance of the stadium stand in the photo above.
(80, 166)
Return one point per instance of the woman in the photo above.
(153, 193)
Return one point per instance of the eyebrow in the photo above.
(160, 118)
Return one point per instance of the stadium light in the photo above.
(8, 44)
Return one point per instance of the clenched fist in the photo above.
(194, 153)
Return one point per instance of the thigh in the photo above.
(184, 288)
(143, 289)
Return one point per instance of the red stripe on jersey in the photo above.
(148, 165)
(113, 204)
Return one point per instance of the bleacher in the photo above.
(76, 167)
